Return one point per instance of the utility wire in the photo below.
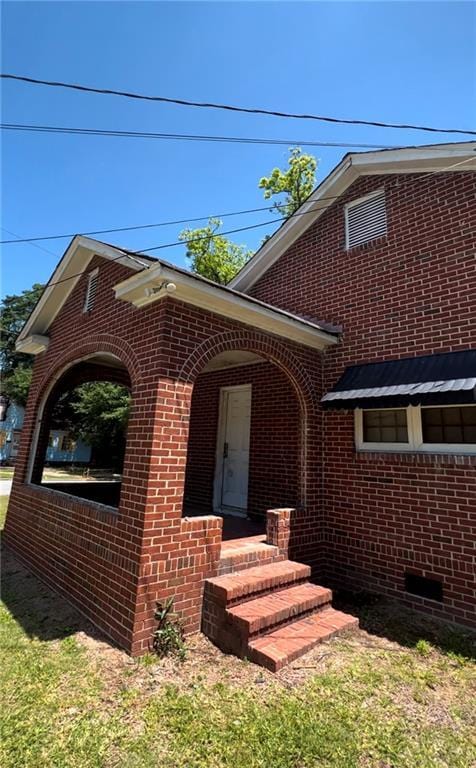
(32, 128)
(189, 221)
(19, 239)
(152, 226)
(228, 107)
(233, 231)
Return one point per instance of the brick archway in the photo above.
(259, 343)
(274, 352)
(63, 372)
(98, 344)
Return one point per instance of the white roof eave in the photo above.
(73, 264)
(162, 281)
(406, 160)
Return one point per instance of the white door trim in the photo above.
(221, 431)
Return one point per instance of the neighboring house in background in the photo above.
(328, 392)
(62, 449)
(11, 424)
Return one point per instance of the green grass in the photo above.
(345, 719)
(48, 714)
(3, 509)
(375, 710)
(6, 473)
(67, 703)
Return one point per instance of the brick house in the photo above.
(316, 415)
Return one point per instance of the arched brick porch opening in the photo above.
(84, 548)
(287, 418)
(92, 369)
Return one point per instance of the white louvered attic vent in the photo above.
(365, 219)
(91, 291)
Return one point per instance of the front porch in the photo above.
(223, 426)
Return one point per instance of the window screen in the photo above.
(449, 425)
(386, 426)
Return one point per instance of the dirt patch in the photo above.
(46, 615)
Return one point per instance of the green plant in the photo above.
(423, 647)
(168, 637)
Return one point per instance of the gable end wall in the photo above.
(408, 293)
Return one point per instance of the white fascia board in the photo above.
(407, 160)
(334, 185)
(151, 286)
(32, 345)
(69, 270)
(415, 159)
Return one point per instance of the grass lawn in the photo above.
(397, 694)
(51, 473)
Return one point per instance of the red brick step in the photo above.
(287, 643)
(240, 554)
(256, 616)
(252, 581)
(270, 614)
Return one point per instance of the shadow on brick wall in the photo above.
(41, 612)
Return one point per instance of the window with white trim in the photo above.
(428, 429)
(91, 290)
(365, 219)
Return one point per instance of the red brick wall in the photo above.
(408, 293)
(114, 564)
(274, 438)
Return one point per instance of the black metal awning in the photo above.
(430, 380)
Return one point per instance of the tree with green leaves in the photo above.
(295, 183)
(16, 368)
(97, 413)
(212, 255)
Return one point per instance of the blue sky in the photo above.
(391, 61)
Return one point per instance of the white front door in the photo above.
(233, 450)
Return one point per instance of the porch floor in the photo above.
(243, 545)
(235, 527)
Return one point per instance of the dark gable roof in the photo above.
(431, 379)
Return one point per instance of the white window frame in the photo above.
(92, 277)
(415, 442)
(352, 204)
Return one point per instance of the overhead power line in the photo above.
(189, 220)
(125, 252)
(184, 136)
(151, 226)
(18, 239)
(283, 219)
(229, 107)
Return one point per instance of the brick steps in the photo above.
(256, 580)
(285, 644)
(270, 614)
(241, 554)
(257, 615)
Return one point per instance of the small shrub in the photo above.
(168, 637)
(423, 647)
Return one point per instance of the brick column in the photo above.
(278, 528)
(177, 554)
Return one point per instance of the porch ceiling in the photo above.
(231, 359)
